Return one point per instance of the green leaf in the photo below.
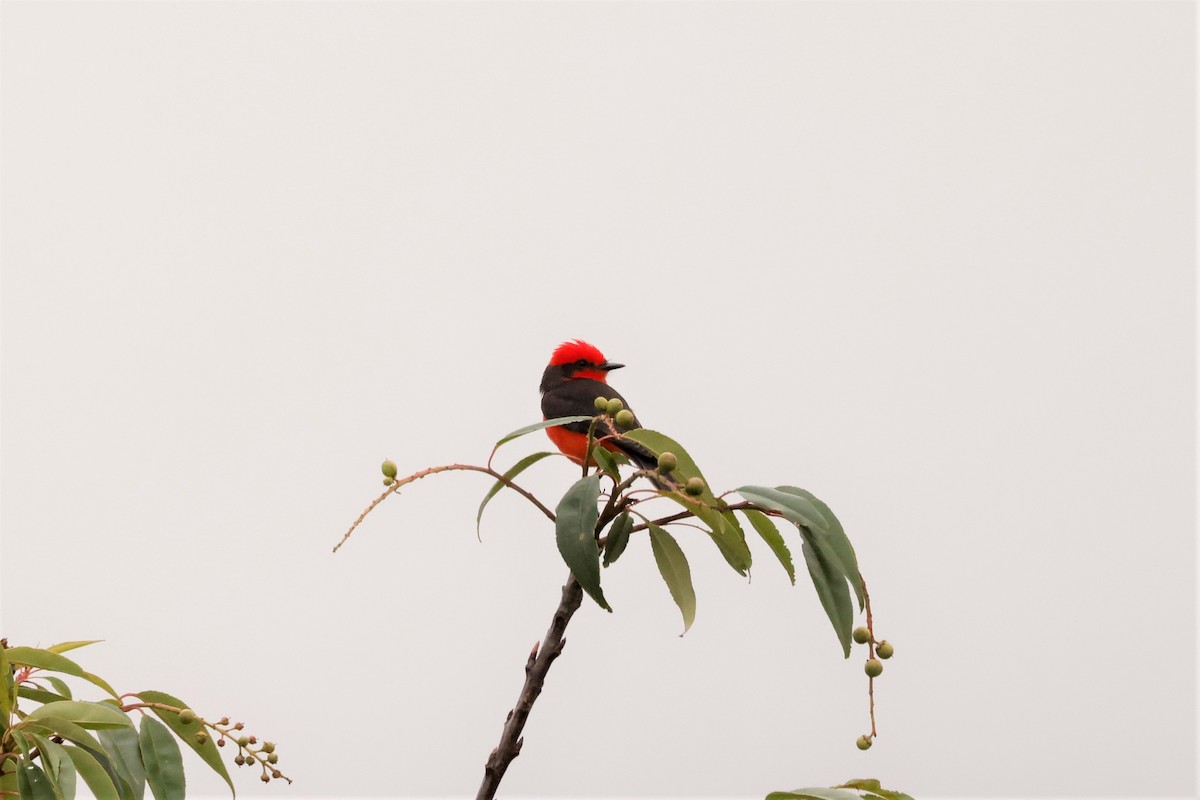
(514, 471)
(659, 443)
(58, 767)
(84, 714)
(59, 685)
(837, 540)
(8, 691)
(828, 538)
(65, 729)
(607, 461)
(730, 541)
(833, 594)
(164, 763)
(673, 566)
(815, 794)
(207, 751)
(618, 537)
(33, 783)
(575, 530)
(44, 659)
(550, 423)
(63, 647)
(38, 695)
(94, 774)
(122, 748)
(774, 539)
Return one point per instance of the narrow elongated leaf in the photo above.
(673, 566)
(60, 686)
(607, 461)
(44, 659)
(83, 714)
(837, 540)
(64, 728)
(93, 773)
(513, 471)
(34, 785)
(833, 594)
(38, 695)
(537, 426)
(827, 534)
(575, 530)
(207, 751)
(873, 790)
(618, 537)
(659, 443)
(63, 647)
(162, 759)
(774, 539)
(58, 767)
(731, 542)
(122, 748)
(815, 794)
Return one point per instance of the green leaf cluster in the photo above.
(49, 749)
(860, 789)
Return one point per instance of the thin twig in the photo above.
(536, 668)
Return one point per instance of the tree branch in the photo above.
(540, 659)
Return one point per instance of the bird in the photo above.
(576, 375)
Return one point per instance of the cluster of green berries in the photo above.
(873, 667)
(614, 408)
(389, 472)
(248, 754)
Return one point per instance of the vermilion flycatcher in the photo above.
(576, 376)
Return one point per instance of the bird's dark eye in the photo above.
(581, 362)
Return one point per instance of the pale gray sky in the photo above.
(933, 262)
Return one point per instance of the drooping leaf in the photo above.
(729, 541)
(63, 647)
(673, 566)
(86, 715)
(873, 791)
(837, 540)
(537, 426)
(659, 443)
(34, 785)
(94, 774)
(44, 659)
(58, 767)
(833, 594)
(207, 751)
(827, 534)
(575, 530)
(774, 539)
(618, 537)
(513, 471)
(122, 748)
(162, 759)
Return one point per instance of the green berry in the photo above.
(201, 738)
(187, 716)
(864, 743)
(272, 758)
(624, 418)
(388, 481)
(243, 741)
(389, 468)
(601, 404)
(861, 635)
(694, 486)
(885, 649)
(614, 405)
(268, 747)
(873, 668)
(667, 462)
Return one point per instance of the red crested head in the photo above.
(575, 351)
(576, 359)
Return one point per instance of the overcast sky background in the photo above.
(932, 261)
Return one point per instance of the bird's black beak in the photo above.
(609, 365)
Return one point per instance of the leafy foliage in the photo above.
(45, 750)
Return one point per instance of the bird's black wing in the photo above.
(578, 396)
